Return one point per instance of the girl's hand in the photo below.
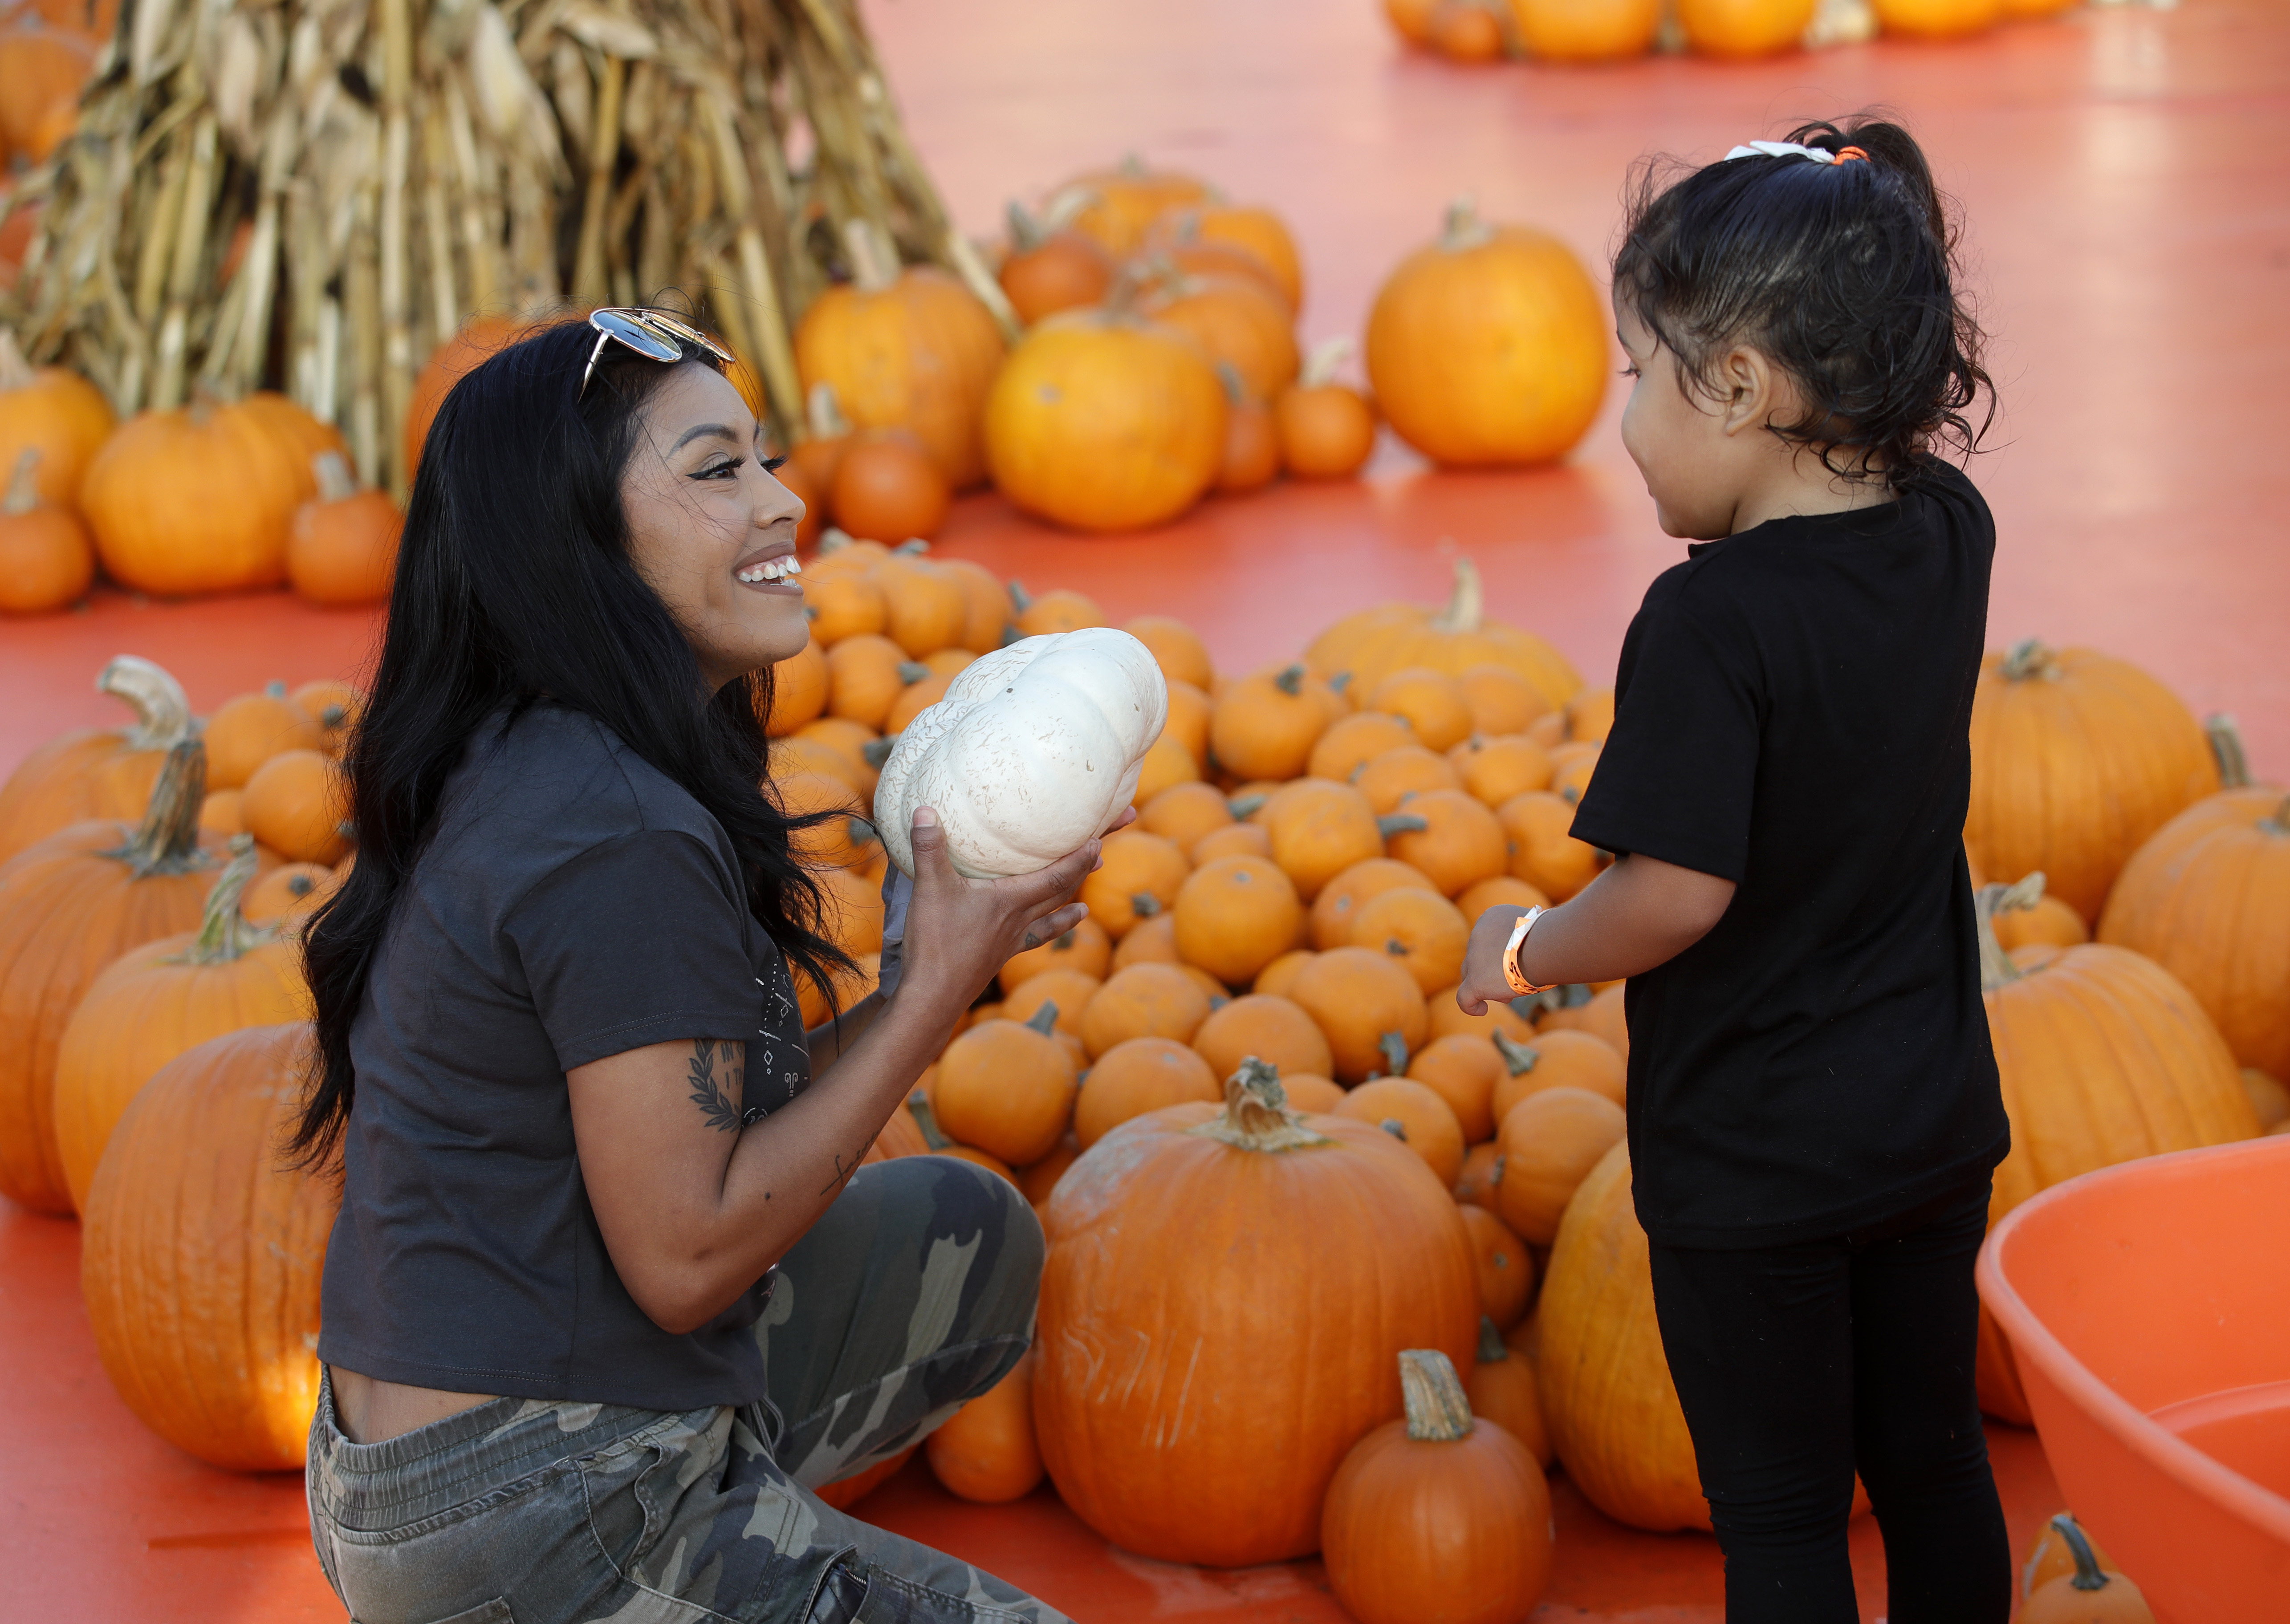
(1484, 982)
(960, 931)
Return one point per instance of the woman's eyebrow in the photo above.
(699, 430)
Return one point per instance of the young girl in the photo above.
(1814, 1105)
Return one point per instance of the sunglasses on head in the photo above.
(653, 334)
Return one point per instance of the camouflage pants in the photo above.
(912, 1294)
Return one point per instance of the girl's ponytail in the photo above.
(1843, 272)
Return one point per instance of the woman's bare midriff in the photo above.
(371, 1412)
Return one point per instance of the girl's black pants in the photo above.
(1798, 1364)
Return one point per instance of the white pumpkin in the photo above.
(1035, 748)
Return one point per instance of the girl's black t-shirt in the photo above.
(573, 903)
(1791, 713)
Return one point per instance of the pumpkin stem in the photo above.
(1026, 232)
(1144, 904)
(912, 547)
(1492, 1349)
(912, 671)
(1395, 1127)
(2030, 659)
(167, 842)
(1394, 1048)
(1045, 1019)
(163, 713)
(23, 483)
(918, 1107)
(1996, 966)
(1234, 391)
(1463, 228)
(1291, 681)
(832, 541)
(1245, 807)
(1021, 600)
(2088, 1574)
(1437, 1412)
(2226, 748)
(15, 371)
(873, 257)
(875, 752)
(1521, 1058)
(1401, 823)
(823, 419)
(334, 482)
(224, 932)
(1572, 996)
(1467, 604)
(1256, 1114)
(1321, 365)
(863, 833)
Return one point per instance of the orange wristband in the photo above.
(1515, 977)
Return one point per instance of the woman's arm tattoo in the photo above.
(720, 1103)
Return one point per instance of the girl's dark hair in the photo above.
(514, 581)
(1843, 273)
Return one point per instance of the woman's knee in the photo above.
(975, 1239)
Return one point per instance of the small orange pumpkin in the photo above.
(888, 488)
(865, 675)
(1549, 1141)
(1048, 271)
(1138, 875)
(1452, 837)
(1235, 916)
(46, 561)
(1337, 908)
(1265, 724)
(1085, 948)
(1557, 1059)
(1273, 1030)
(1502, 701)
(1277, 979)
(1145, 1000)
(1462, 1068)
(1495, 769)
(250, 729)
(1351, 742)
(1319, 829)
(1438, 1506)
(1176, 648)
(54, 411)
(335, 706)
(1116, 207)
(1431, 703)
(1007, 1088)
(290, 893)
(298, 806)
(1540, 848)
(1501, 892)
(1392, 777)
(1066, 993)
(1503, 1389)
(343, 546)
(1252, 445)
(1189, 710)
(1060, 609)
(1373, 644)
(1327, 428)
(2090, 1594)
(1369, 1007)
(1420, 928)
(194, 499)
(1416, 1117)
(1239, 323)
(1152, 942)
(1505, 1269)
(1447, 1018)
(985, 1452)
(1184, 812)
(1139, 1075)
(801, 684)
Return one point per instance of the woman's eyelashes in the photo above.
(725, 469)
(772, 464)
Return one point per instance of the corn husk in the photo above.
(312, 195)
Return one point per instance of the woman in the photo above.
(609, 1293)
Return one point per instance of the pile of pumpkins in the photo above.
(1267, 969)
(1735, 31)
(265, 486)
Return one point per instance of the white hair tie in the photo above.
(1783, 149)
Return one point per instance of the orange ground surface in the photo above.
(2125, 173)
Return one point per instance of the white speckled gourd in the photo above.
(1034, 749)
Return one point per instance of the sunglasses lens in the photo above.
(638, 335)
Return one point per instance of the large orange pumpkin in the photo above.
(54, 411)
(201, 1255)
(1103, 421)
(2077, 758)
(154, 1001)
(1745, 28)
(1490, 345)
(69, 906)
(194, 499)
(97, 772)
(1374, 643)
(1436, 1517)
(1181, 1412)
(2208, 899)
(1605, 1382)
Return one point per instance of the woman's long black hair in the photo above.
(514, 581)
(1844, 274)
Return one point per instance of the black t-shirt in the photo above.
(1791, 713)
(572, 903)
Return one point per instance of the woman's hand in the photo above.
(960, 931)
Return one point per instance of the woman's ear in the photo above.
(1748, 390)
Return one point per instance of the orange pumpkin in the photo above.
(1495, 769)
(841, 606)
(1458, 841)
(1549, 1141)
(1462, 1068)
(342, 546)
(852, 911)
(1116, 207)
(1437, 1507)
(1152, 942)
(845, 1492)
(298, 806)
(290, 893)
(1257, 231)
(985, 1452)
(1138, 876)
(334, 706)
(1189, 710)
(2077, 759)
(1235, 916)
(1557, 1059)
(1337, 908)
(1604, 1014)
(156, 1001)
(1104, 421)
(1139, 1075)
(1738, 29)
(1085, 948)
(1540, 849)
(2089, 1592)
(1369, 1007)
(1248, 243)
(1184, 812)
(1007, 1088)
(1176, 648)
(1489, 346)
(1590, 715)
(194, 499)
(2208, 899)
(1318, 829)
(2053, 1554)
(801, 686)
(1036, 1180)
(865, 675)
(1416, 1117)
(42, 70)
(250, 729)
(1277, 979)
(1252, 447)
(1238, 323)
(910, 349)
(1502, 1390)
(1164, 1424)
(1234, 840)
(1447, 1018)
(1392, 777)
(54, 411)
(1937, 19)
(1374, 643)
(46, 561)
(988, 601)
(1501, 892)
(1604, 1380)
(1326, 429)
(1468, 31)
(1060, 609)
(1431, 703)
(1351, 742)
(1506, 1267)
(1502, 701)
(70, 905)
(1312, 1096)
(200, 1254)
(1475, 1185)
(1146, 1000)
(889, 488)
(1065, 993)
(1045, 272)
(1273, 1030)
(1424, 932)
(1265, 725)
(1586, 31)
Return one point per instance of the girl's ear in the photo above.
(1748, 388)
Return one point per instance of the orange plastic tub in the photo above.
(2148, 1307)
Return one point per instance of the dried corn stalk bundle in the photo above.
(310, 194)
